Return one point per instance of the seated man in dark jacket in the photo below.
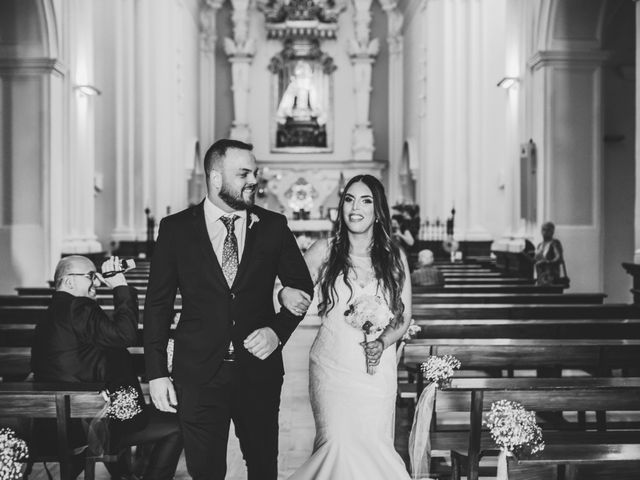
(79, 342)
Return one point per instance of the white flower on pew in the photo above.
(13, 451)
(514, 429)
(170, 345)
(124, 403)
(413, 330)
(439, 368)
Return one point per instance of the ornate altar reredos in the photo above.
(301, 84)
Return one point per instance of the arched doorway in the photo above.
(31, 143)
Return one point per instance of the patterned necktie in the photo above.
(230, 249)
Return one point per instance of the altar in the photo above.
(301, 74)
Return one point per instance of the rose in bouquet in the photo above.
(514, 429)
(439, 368)
(13, 451)
(370, 314)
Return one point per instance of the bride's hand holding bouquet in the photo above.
(370, 314)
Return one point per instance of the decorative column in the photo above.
(636, 257)
(568, 84)
(125, 125)
(79, 235)
(208, 38)
(240, 50)
(363, 52)
(395, 40)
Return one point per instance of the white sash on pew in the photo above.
(419, 439)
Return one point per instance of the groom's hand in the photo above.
(163, 394)
(294, 300)
(262, 342)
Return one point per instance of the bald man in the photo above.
(70, 345)
(78, 342)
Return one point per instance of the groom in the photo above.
(223, 255)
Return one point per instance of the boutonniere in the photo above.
(254, 219)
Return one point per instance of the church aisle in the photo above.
(296, 420)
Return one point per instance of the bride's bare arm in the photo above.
(297, 301)
(393, 333)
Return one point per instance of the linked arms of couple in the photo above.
(297, 302)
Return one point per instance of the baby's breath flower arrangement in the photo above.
(370, 314)
(439, 368)
(124, 403)
(13, 451)
(514, 430)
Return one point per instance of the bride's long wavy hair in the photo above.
(385, 254)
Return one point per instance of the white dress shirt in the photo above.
(218, 232)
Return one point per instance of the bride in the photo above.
(354, 410)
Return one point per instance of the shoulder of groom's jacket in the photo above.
(180, 217)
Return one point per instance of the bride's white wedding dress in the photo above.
(353, 411)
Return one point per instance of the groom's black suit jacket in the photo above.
(212, 312)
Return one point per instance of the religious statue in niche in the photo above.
(302, 78)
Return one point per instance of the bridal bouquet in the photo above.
(439, 368)
(514, 430)
(13, 451)
(370, 314)
(124, 403)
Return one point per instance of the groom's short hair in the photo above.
(217, 152)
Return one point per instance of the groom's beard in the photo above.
(241, 200)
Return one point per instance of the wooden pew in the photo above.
(488, 281)
(513, 298)
(495, 311)
(34, 313)
(45, 300)
(44, 291)
(579, 461)
(473, 274)
(475, 395)
(529, 328)
(489, 289)
(599, 356)
(64, 402)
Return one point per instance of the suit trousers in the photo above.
(205, 413)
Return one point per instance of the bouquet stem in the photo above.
(371, 369)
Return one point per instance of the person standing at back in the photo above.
(223, 255)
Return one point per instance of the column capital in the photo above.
(208, 13)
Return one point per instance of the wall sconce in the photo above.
(508, 82)
(88, 90)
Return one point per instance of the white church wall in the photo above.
(619, 155)
(454, 56)
(167, 82)
(106, 117)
